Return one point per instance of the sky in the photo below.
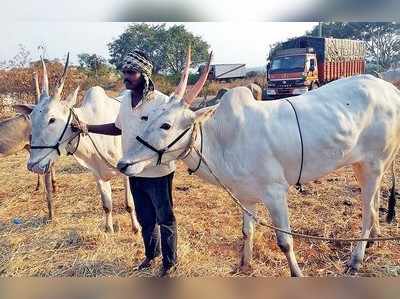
(232, 42)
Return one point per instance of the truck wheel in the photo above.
(313, 86)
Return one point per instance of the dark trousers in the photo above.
(153, 205)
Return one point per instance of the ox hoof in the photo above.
(242, 269)
(350, 271)
(135, 225)
(352, 268)
(109, 229)
(50, 216)
(245, 269)
(370, 243)
(297, 273)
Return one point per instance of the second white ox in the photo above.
(254, 147)
(52, 136)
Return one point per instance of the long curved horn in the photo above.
(180, 89)
(60, 85)
(36, 84)
(199, 84)
(45, 79)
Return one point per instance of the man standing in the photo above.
(152, 189)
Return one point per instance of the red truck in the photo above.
(306, 63)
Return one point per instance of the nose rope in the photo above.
(57, 145)
(51, 151)
(187, 149)
(161, 152)
(60, 141)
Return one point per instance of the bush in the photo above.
(18, 82)
(164, 84)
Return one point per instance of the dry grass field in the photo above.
(209, 225)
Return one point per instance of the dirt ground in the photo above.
(209, 228)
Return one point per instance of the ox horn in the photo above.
(45, 79)
(195, 90)
(180, 89)
(61, 82)
(36, 84)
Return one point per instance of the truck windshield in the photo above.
(288, 63)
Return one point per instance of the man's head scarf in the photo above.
(137, 61)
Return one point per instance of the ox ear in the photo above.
(25, 109)
(202, 112)
(70, 101)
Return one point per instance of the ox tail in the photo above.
(392, 199)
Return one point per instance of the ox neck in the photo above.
(82, 152)
(209, 146)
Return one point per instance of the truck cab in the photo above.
(292, 72)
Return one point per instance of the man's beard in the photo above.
(131, 86)
(127, 83)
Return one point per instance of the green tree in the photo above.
(97, 70)
(92, 62)
(174, 47)
(382, 39)
(165, 47)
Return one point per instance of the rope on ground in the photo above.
(262, 222)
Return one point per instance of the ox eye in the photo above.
(144, 118)
(165, 126)
(52, 120)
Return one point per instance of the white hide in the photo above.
(97, 108)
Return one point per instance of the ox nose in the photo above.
(123, 165)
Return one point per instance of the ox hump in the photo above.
(95, 91)
(94, 94)
(237, 97)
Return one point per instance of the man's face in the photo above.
(132, 79)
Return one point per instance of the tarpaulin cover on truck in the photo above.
(329, 49)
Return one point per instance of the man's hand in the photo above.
(79, 126)
(104, 129)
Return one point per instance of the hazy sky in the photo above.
(239, 42)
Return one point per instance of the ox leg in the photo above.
(53, 179)
(130, 206)
(276, 202)
(38, 183)
(370, 177)
(375, 230)
(48, 193)
(105, 193)
(248, 236)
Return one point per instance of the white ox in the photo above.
(254, 147)
(49, 119)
